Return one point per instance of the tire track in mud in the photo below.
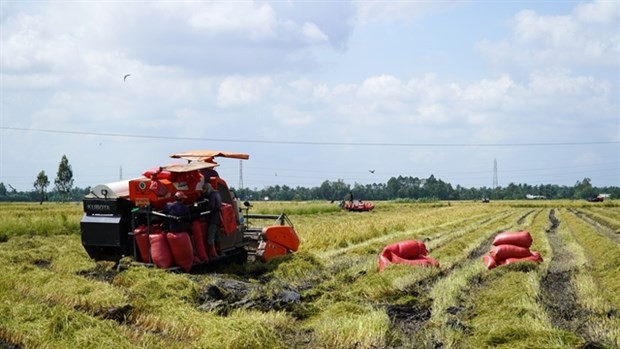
(557, 292)
(599, 227)
(522, 219)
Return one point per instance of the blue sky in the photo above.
(313, 90)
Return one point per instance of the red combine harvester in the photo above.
(129, 218)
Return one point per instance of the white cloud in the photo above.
(313, 34)
(320, 91)
(587, 37)
(488, 91)
(239, 90)
(599, 11)
(246, 18)
(289, 116)
(382, 87)
(387, 11)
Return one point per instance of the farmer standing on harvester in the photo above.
(213, 219)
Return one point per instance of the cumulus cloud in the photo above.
(290, 116)
(312, 33)
(240, 90)
(245, 18)
(386, 11)
(586, 37)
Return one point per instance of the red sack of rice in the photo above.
(141, 236)
(422, 260)
(432, 261)
(199, 230)
(489, 262)
(535, 257)
(182, 250)
(409, 249)
(384, 260)
(501, 252)
(521, 238)
(160, 251)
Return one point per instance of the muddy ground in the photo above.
(557, 293)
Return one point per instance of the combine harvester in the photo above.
(356, 205)
(128, 218)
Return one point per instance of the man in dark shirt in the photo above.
(178, 208)
(213, 219)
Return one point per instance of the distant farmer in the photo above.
(179, 209)
(213, 218)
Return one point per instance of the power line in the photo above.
(368, 144)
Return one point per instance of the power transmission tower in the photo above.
(240, 174)
(495, 173)
(120, 174)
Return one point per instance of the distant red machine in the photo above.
(358, 206)
(126, 218)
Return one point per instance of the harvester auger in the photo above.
(129, 219)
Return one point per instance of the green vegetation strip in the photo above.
(599, 326)
(603, 255)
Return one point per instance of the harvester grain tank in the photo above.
(128, 218)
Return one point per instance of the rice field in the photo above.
(330, 294)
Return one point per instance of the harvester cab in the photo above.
(130, 219)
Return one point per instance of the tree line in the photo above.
(63, 187)
(401, 187)
(426, 189)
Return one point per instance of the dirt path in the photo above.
(558, 295)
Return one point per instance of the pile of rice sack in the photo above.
(511, 247)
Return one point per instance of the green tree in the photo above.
(64, 178)
(40, 186)
(584, 189)
(3, 191)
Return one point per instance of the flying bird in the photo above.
(371, 171)
(126, 76)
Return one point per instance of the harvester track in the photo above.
(558, 294)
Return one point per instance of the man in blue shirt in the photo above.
(178, 208)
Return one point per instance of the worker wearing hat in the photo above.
(179, 209)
